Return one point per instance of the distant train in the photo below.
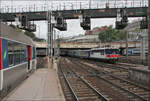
(105, 54)
(134, 51)
(17, 59)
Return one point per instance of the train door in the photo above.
(29, 57)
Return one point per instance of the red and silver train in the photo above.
(17, 59)
(106, 54)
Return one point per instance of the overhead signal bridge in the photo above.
(74, 14)
(72, 10)
(105, 10)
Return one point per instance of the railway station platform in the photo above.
(140, 74)
(42, 85)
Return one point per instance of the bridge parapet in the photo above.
(132, 44)
(40, 44)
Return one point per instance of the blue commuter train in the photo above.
(17, 58)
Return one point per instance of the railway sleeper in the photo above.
(85, 95)
(89, 98)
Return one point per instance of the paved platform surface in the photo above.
(41, 85)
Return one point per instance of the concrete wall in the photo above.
(141, 76)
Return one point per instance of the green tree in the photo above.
(121, 35)
(111, 34)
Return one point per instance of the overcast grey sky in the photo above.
(73, 25)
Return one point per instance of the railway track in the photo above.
(119, 70)
(133, 91)
(77, 88)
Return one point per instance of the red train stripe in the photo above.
(112, 56)
(1, 57)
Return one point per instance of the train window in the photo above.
(16, 53)
(17, 57)
(19, 53)
(10, 53)
(112, 51)
(33, 51)
(92, 52)
(22, 53)
(102, 52)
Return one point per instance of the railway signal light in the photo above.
(85, 22)
(144, 23)
(26, 24)
(61, 24)
(122, 19)
(30, 27)
(24, 20)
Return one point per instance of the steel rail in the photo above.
(69, 85)
(95, 90)
(130, 92)
(100, 96)
(117, 86)
(112, 75)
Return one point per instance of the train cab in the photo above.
(105, 54)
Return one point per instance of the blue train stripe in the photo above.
(4, 52)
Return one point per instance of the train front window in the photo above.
(112, 51)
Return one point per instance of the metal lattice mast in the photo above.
(149, 34)
(50, 36)
(48, 33)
